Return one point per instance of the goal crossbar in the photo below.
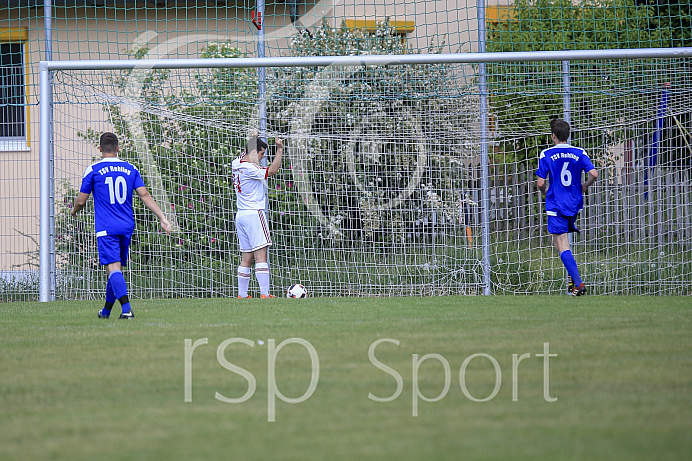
(371, 60)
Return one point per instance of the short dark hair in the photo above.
(560, 129)
(255, 143)
(109, 143)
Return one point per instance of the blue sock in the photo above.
(110, 298)
(571, 266)
(117, 282)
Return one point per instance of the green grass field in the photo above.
(75, 387)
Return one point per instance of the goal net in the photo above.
(381, 192)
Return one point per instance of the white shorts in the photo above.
(253, 230)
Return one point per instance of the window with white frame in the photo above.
(13, 126)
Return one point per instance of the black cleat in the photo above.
(580, 290)
(104, 316)
(129, 315)
(570, 286)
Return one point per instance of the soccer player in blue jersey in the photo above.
(112, 181)
(564, 197)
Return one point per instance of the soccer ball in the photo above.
(296, 291)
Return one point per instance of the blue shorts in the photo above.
(559, 224)
(113, 248)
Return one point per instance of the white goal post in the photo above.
(423, 189)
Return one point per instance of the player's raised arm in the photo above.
(276, 163)
(151, 204)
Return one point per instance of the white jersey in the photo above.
(249, 181)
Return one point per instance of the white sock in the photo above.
(262, 274)
(243, 281)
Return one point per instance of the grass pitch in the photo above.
(76, 387)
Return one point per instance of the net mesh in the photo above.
(365, 131)
(380, 191)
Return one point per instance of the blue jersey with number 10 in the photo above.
(564, 165)
(112, 182)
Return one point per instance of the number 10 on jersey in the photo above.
(117, 191)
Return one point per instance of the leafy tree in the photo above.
(673, 19)
(525, 96)
(365, 140)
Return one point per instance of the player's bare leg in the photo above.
(561, 242)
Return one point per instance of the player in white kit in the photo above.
(249, 182)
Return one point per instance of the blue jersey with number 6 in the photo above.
(112, 182)
(564, 164)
